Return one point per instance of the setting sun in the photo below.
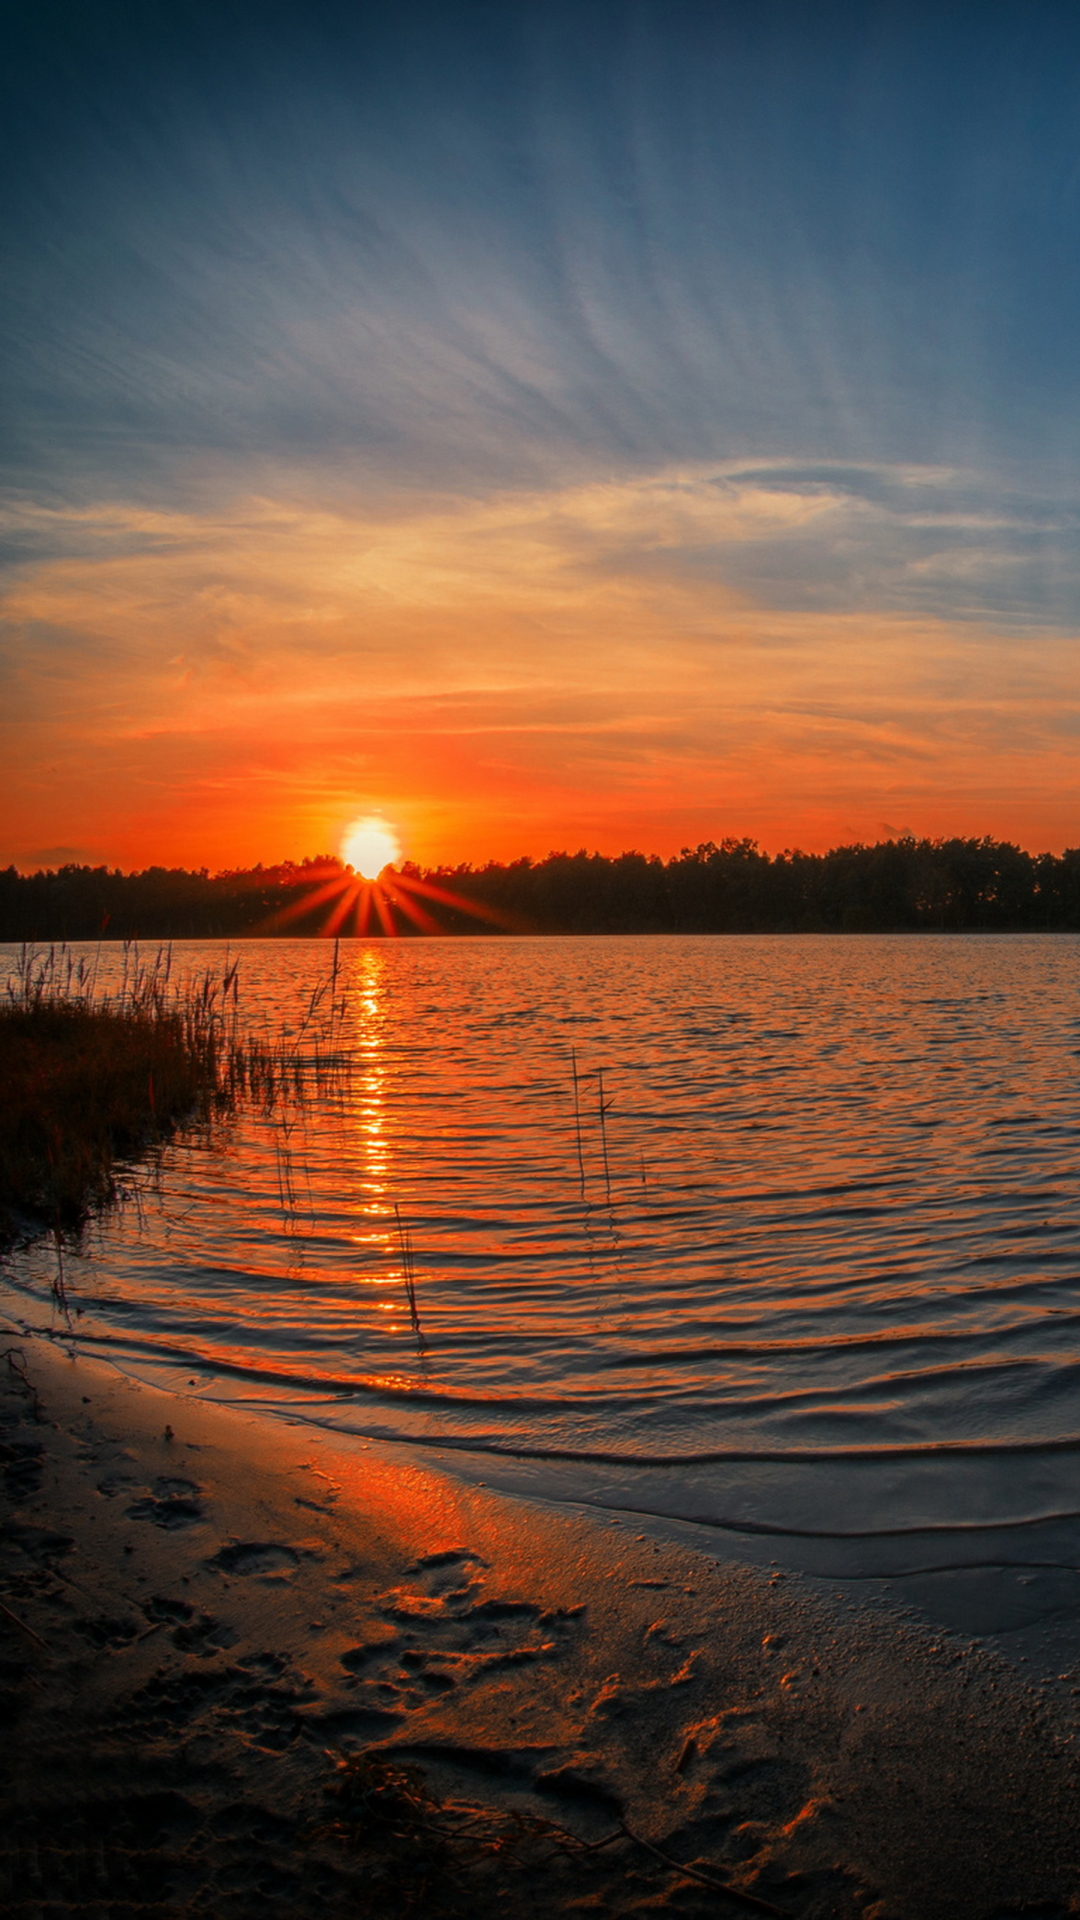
(369, 845)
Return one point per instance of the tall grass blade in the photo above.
(577, 1118)
(604, 1108)
(408, 1270)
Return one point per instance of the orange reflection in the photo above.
(369, 1109)
(369, 1137)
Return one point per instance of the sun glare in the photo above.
(369, 845)
(365, 901)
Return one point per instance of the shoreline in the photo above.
(1013, 1588)
(201, 1602)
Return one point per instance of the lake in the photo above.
(809, 1283)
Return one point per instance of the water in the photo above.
(821, 1301)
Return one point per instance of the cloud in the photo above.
(944, 543)
(473, 254)
(39, 857)
(500, 669)
(542, 421)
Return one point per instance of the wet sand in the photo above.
(203, 1611)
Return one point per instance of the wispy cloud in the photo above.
(550, 423)
(635, 650)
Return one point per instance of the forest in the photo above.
(895, 886)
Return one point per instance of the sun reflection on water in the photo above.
(370, 1099)
(368, 1142)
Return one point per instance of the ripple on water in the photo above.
(813, 1276)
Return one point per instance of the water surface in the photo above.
(811, 1283)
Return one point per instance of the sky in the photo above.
(611, 425)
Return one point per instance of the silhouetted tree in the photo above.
(901, 885)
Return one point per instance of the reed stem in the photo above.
(408, 1269)
(577, 1119)
(604, 1108)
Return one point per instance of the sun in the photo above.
(369, 845)
(369, 896)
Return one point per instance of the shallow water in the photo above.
(822, 1299)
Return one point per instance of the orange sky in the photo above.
(538, 669)
(546, 427)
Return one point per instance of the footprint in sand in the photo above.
(440, 1630)
(160, 1608)
(39, 1544)
(262, 1698)
(104, 1630)
(202, 1635)
(742, 1780)
(171, 1503)
(749, 1807)
(256, 1557)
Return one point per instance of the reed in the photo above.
(604, 1104)
(603, 1107)
(576, 1078)
(96, 1077)
(408, 1270)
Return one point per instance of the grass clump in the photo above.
(92, 1079)
(84, 1086)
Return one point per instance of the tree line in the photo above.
(901, 885)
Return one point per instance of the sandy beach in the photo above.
(205, 1614)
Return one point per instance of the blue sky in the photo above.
(767, 315)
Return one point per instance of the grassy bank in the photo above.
(93, 1079)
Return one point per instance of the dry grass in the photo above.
(93, 1079)
(84, 1087)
